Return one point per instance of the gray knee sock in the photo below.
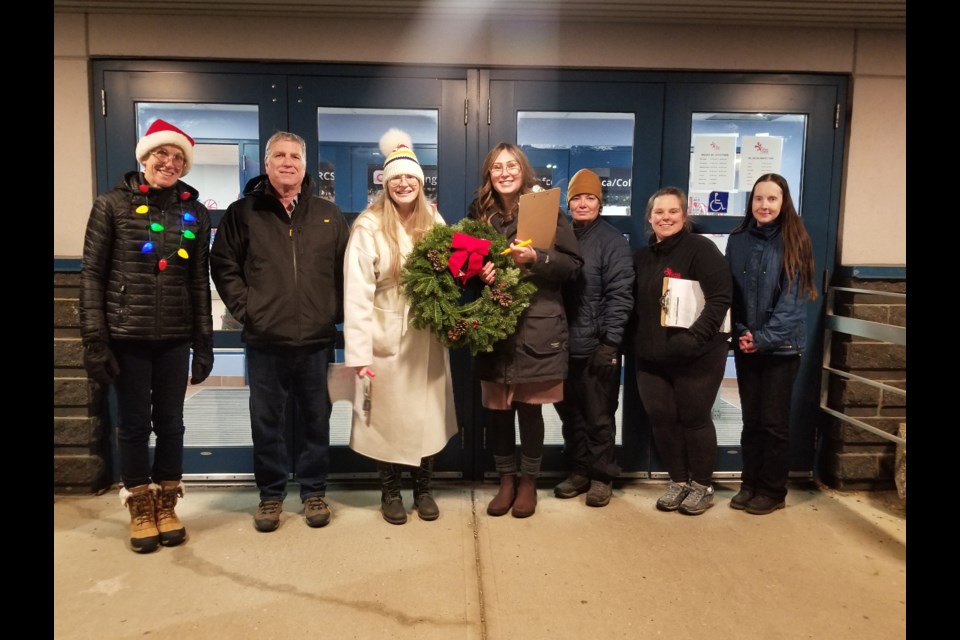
(530, 466)
(505, 464)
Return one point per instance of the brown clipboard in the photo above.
(537, 218)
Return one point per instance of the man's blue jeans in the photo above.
(274, 374)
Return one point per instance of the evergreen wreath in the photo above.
(437, 298)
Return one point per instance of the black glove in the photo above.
(99, 362)
(202, 361)
(604, 361)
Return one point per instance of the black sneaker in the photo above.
(698, 500)
(573, 486)
(743, 496)
(670, 501)
(267, 517)
(760, 505)
(316, 512)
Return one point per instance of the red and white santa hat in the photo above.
(160, 133)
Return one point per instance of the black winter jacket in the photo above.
(600, 301)
(280, 275)
(683, 255)
(124, 294)
(538, 349)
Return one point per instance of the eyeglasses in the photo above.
(163, 156)
(513, 168)
(395, 180)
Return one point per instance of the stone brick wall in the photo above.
(851, 457)
(81, 455)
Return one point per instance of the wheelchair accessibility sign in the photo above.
(717, 203)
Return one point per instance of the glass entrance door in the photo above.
(613, 128)
(226, 115)
(342, 119)
(722, 137)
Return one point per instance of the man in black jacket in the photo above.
(598, 307)
(277, 262)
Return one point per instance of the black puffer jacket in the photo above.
(599, 302)
(124, 294)
(280, 275)
(537, 350)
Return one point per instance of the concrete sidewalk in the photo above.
(830, 565)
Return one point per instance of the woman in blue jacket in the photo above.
(771, 260)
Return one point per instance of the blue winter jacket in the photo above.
(763, 303)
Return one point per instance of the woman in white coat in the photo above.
(411, 413)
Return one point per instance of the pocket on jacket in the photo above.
(544, 335)
(387, 330)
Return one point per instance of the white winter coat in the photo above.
(412, 413)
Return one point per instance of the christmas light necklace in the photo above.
(185, 218)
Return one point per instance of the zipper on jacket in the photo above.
(293, 248)
(158, 289)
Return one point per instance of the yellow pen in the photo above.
(519, 244)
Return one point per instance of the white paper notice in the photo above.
(714, 162)
(759, 155)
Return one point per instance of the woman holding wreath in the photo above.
(380, 341)
(526, 369)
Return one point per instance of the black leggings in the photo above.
(679, 402)
(501, 434)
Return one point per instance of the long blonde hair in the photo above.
(422, 219)
(488, 200)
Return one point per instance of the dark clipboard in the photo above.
(537, 218)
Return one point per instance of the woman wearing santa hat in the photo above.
(380, 342)
(144, 303)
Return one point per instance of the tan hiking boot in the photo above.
(171, 529)
(144, 535)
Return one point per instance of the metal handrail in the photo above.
(861, 329)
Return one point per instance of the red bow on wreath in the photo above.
(466, 260)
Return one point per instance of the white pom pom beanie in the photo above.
(397, 149)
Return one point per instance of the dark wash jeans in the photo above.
(766, 390)
(274, 374)
(589, 426)
(150, 389)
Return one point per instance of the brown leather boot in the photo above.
(526, 503)
(144, 536)
(502, 502)
(171, 529)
